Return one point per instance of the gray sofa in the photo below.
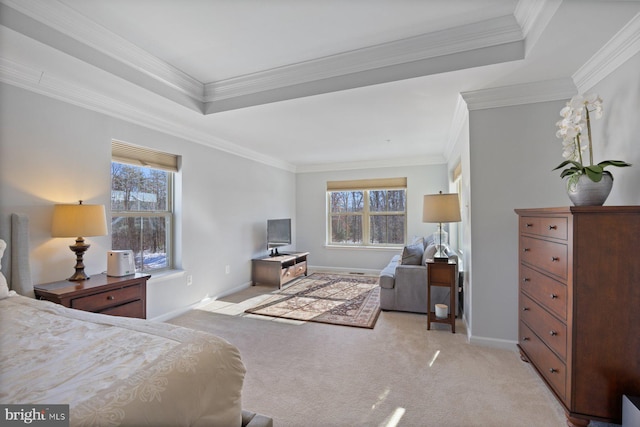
(403, 282)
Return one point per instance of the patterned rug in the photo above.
(326, 298)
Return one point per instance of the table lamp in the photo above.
(439, 208)
(77, 221)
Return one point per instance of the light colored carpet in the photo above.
(399, 373)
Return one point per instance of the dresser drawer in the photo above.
(100, 301)
(555, 227)
(530, 224)
(550, 293)
(548, 328)
(548, 364)
(549, 256)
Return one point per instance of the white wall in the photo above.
(617, 135)
(311, 211)
(53, 152)
(512, 153)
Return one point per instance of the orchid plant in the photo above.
(576, 118)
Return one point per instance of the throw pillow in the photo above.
(412, 255)
(415, 240)
(429, 253)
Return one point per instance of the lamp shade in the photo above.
(78, 221)
(441, 208)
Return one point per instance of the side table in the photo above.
(117, 296)
(442, 274)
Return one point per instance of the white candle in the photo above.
(441, 311)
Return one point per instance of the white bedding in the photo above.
(114, 370)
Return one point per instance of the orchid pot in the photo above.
(587, 185)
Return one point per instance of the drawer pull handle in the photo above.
(529, 224)
(555, 259)
(553, 370)
(525, 308)
(553, 333)
(553, 296)
(111, 297)
(553, 227)
(526, 279)
(526, 250)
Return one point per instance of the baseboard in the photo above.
(494, 343)
(233, 290)
(177, 312)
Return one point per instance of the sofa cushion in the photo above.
(412, 254)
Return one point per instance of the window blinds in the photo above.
(367, 184)
(140, 156)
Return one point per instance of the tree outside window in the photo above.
(374, 217)
(141, 214)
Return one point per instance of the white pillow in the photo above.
(4, 288)
(429, 253)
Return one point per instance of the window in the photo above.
(367, 212)
(142, 204)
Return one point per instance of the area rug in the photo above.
(347, 300)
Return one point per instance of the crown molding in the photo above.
(57, 25)
(488, 33)
(67, 21)
(622, 46)
(37, 81)
(373, 164)
(527, 93)
(534, 16)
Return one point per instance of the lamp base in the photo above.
(79, 248)
(441, 253)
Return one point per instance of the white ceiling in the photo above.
(300, 84)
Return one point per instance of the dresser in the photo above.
(579, 305)
(116, 296)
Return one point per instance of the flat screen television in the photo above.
(278, 234)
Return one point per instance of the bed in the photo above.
(112, 370)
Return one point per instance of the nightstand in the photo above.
(118, 296)
(442, 274)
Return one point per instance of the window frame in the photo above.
(366, 214)
(140, 160)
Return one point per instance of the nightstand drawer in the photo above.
(111, 298)
(441, 274)
(131, 309)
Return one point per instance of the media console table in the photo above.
(278, 270)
